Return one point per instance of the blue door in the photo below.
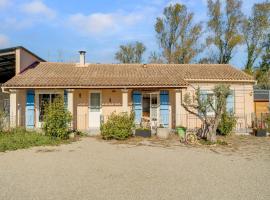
(137, 106)
(164, 108)
(30, 109)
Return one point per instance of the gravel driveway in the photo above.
(93, 169)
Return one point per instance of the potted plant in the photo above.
(163, 132)
(181, 131)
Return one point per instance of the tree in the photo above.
(130, 53)
(255, 30)
(155, 58)
(177, 34)
(225, 28)
(263, 73)
(201, 106)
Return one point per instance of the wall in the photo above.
(24, 60)
(243, 104)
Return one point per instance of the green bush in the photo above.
(118, 126)
(2, 120)
(56, 119)
(21, 139)
(226, 124)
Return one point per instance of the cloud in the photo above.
(4, 41)
(37, 7)
(97, 23)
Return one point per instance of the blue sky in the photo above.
(57, 29)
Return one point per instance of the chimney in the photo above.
(82, 58)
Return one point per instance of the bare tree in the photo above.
(130, 53)
(177, 34)
(225, 26)
(155, 58)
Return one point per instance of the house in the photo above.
(13, 61)
(153, 91)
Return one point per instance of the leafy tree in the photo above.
(177, 34)
(200, 107)
(56, 119)
(255, 30)
(263, 73)
(130, 53)
(225, 27)
(155, 58)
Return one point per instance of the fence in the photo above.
(245, 122)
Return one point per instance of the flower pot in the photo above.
(143, 132)
(163, 133)
(181, 131)
(261, 133)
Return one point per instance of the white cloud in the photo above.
(4, 41)
(97, 23)
(4, 3)
(37, 7)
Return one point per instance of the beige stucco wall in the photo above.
(244, 106)
(23, 60)
(112, 102)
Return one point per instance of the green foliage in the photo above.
(177, 34)
(255, 30)
(130, 53)
(57, 119)
(226, 124)
(225, 25)
(118, 126)
(262, 74)
(200, 107)
(21, 139)
(2, 120)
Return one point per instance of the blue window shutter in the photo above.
(30, 109)
(164, 108)
(137, 106)
(230, 103)
(65, 98)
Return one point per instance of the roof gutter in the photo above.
(220, 80)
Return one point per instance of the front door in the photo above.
(94, 110)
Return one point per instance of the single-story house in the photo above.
(153, 91)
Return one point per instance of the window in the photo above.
(45, 99)
(230, 103)
(204, 96)
(95, 102)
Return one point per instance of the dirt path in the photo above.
(93, 169)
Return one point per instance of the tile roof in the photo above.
(70, 75)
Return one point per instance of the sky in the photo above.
(57, 29)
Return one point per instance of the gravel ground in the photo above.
(93, 169)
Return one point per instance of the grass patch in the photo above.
(22, 139)
(206, 142)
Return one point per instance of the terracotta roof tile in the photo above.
(47, 74)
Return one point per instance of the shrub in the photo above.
(118, 126)
(226, 124)
(2, 120)
(21, 139)
(56, 119)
